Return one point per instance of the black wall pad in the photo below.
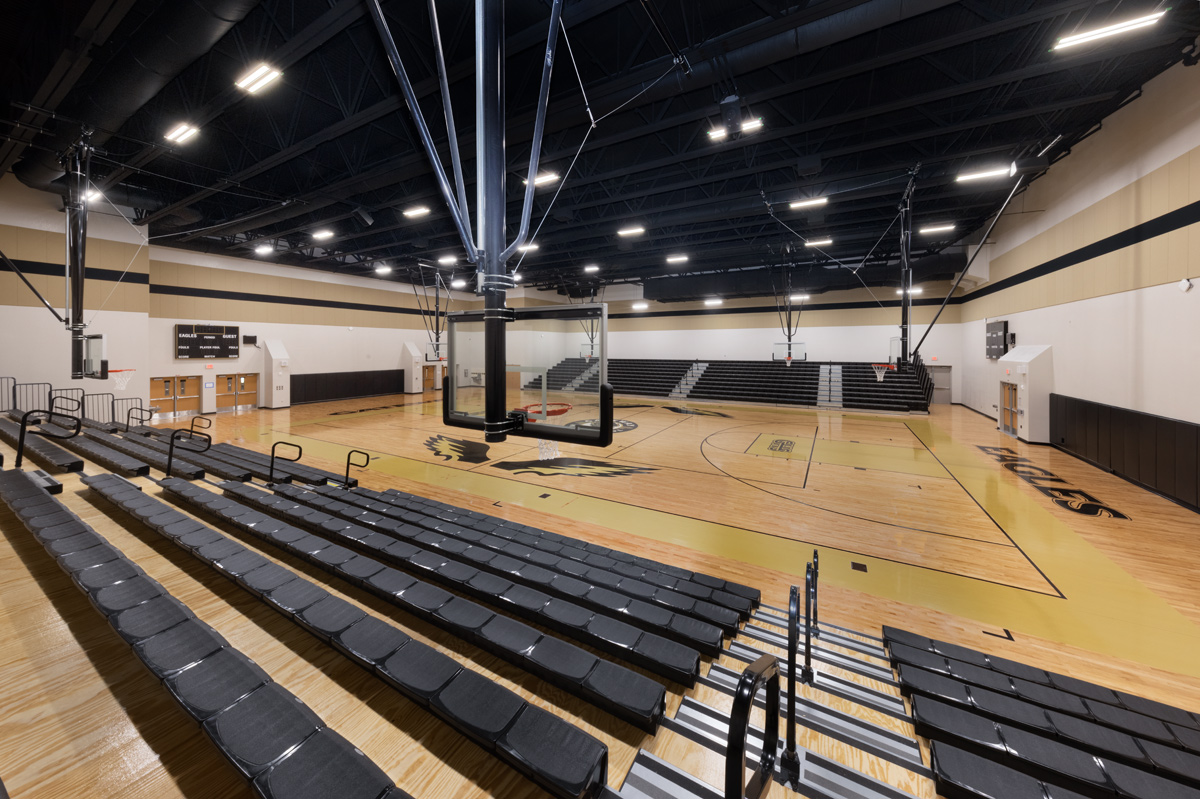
(260, 727)
(1127, 710)
(417, 670)
(50, 455)
(648, 650)
(212, 466)
(455, 542)
(158, 460)
(734, 596)
(105, 456)
(624, 693)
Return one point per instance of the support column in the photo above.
(78, 169)
(491, 278)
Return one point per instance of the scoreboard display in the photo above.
(206, 342)
(997, 339)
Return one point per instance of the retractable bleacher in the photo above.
(269, 735)
(40, 449)
(1052, 729)
(614, 688)
(551, 752)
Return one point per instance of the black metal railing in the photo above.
(349, 463)
(120, 408)
(75, 394)
(142, 415)
(27, 396)
(50, 416)
(190, 434)
(6, 392)
(763, 672)
(813, 618)
(99, 407)
(299, 455)
(789, 762)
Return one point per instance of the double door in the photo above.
(172, 395)
(236, 391)
(1008, 408)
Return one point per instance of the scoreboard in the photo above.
(206, 342)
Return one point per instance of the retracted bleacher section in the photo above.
(769, 382)
(1000, 728)
(553, 753)
(269, 735)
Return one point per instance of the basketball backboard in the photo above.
(789, 351)
(95, 359)
(435, 351)
(548, 384)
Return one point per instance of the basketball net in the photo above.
(881, 369)
(547, 450)
(122, 377)
(787, 361)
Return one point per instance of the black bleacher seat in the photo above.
(105, 456)
(648, 650)
(180, 466)
(328, 617)
(39, 448)
(213, 466)
(262, 729)
(417, 670)
(456, 535)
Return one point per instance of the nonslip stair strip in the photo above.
(270, 736)
(553, 753)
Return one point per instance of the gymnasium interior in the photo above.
(600, 399)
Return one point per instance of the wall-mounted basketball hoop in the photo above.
(538, 410)
(881, 369)
(122, 376)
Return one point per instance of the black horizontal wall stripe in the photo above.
(220, 294)
(91, 273)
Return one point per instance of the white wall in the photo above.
(1138, 350)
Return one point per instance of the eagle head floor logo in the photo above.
(572, 467)
(457, 449)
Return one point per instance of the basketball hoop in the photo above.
(549, 409)
(881, 369)
(547, 450)
(787, 361)
(122, 376)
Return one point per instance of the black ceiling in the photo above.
(853, 95)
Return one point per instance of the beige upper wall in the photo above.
(1144, 163)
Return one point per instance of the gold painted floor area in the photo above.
(943, 529)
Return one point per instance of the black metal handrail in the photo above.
(299, 455)
(97, 402)
(190, 434)
(807, 675)
(57, 394)
(789, 763)
(196, 420)
(764, 671)
(50, 416)
(349, 463)
(35, 394)
(813, 621)
(143, 416)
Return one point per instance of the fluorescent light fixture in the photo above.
(1110, 30)
(416, 211)
(716, 134)
(181, 133)
(815, 201)
(264, 249)
(751, 125)
(383, 269)
(631, 231)
(528, 248)
(818, 243)
(257, 78)
(640, 306)
(321, 235)
(447, 260)
(987, 173)
(458, 284)
(714, 301)
(928, 231)
(799, 297)
(677, 259)
(911, 291)
(591, 269)
(542, 179)
(93, 195)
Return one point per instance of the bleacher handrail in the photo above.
(299, 455)
(349, 462)
(190, 433)
(789, 761)
(134, 411)
(760, 673)
(50, 416)
(94, 402)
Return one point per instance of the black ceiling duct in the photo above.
(178, 33)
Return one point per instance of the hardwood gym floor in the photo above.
(955, 545)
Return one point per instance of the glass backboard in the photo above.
(95, 359)
(555, 364)
(789, 351)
